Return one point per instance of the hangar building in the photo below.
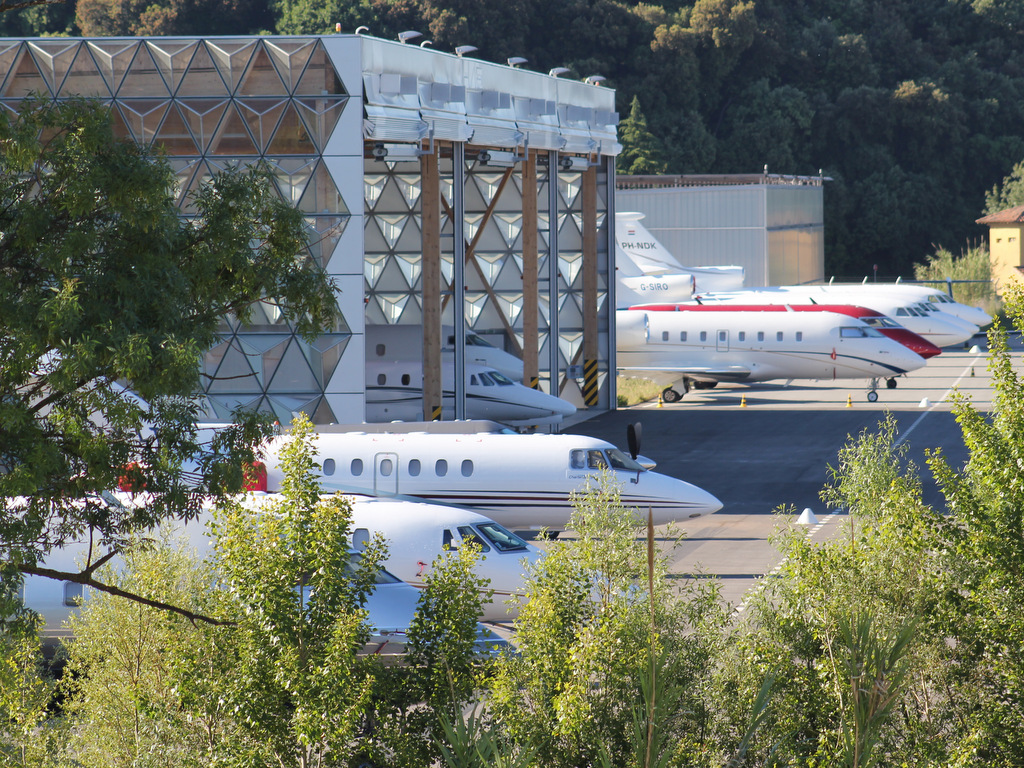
(438, 190)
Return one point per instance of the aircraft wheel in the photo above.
(705, 384)
(669, 395)
(872, 396)
(890, 383)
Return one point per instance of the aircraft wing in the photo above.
(668, 374)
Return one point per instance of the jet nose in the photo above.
(915, 343)
(702, 503)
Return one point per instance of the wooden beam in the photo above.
(531, 308)
(430, 285)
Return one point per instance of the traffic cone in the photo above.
(972, 370)
(661, 402)
(849, 401)
(743, 401)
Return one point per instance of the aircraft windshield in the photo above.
(619, 460)
(502, 539)
(472, 340)
(500, 378)
(856, 332)
(881, 322)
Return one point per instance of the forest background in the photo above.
(912, 108)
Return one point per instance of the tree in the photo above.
(641, 151)
(1007, 195)
(102, 283)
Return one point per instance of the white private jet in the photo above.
(387, 343)
(941, 329)
(932, 298)
(523, 482)
(703, 345)
(394, 392)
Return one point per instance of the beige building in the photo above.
(1005, 230)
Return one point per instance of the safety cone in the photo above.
(849, 401)
(661, 402)
(807, 517)
(972, 370)
(743, 401)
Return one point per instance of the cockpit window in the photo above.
(596, 460)
(501, 379)
(468, 534)
(577, 459)
(472, 340)
(853, 332)
(485, 379)
(881, 322)
(619, 460)
(901, 312)
(502, 538)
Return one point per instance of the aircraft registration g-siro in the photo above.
(702, 345)
(523, 482)
(394, 392)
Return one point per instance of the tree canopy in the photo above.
(104, 285)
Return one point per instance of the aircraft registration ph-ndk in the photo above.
(701, 345)
(394, 392)
(522, 482)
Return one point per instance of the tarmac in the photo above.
(765, 451)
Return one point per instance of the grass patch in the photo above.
(632, 390)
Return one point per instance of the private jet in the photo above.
(387, 343)
(700, 346)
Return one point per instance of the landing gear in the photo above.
(890, 383)
(872, 396)
(669, 395)
(704, 384)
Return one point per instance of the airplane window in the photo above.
(619, 460)
(73, 594)
(472, 340)
(743, 335)
(386, 467)
(414, 468)
(682, 335)
(799, 335)
(778, 336)
(357, 467)
(360, 538)
(405, 379)
(578, 459)
(760, 335)
(382, 577)
(596, 460)
(468, 534)
(381, 379)
(485, 379)
(467, 467)
(441, 468)
(722, 335)
(901, 312)
(502, 538)
(858, 333)
(446, 539)
(329, 467)
(664, 335)
(380, 350)
(473, 381)
(502, 379)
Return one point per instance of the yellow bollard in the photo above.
(743, 401)
(660, 401)
(849, 401)
(972, 370)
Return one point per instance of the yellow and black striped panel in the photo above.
(590, 382)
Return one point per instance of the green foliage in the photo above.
(585, 638)
(138, 18)
(641, 151)
(972, 264)
(1009, 194)
(29, 737)
(103, 283)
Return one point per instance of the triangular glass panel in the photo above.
(490, 238)
(231, 57)
(569, 187)
(488, 184)
(391, 199)
(202, 116)
(323, 234)
(472, 225)
(323, 413)
(293, 373)
(319, 78)
(411, 240)
(392, 305)
(569, 344)
(224, 406)
(232, 137)
(172, 57)
(291, 137)
(410, 185)
(393, 278)
(286, 408)
(373, 240)
(473, 200)
(212, 360)
(112, 59)
(290, 57)
(476, 303)
(292, 176)
(271, 354)
(143, 117)
(235, 373)
(447, 188)
(490, 265)
(262, 117)
(322, 196)
(373, 314)
(331, 349)
(25, 78)
(570, 266)
(509, 225)
(447, 268)
(174, 134)
(84, 78)
(200, 172)
(570, 237)
(54, 58)
(373, 268)
(202, 78)
(9, 50)
(411, 266)
(372, 187)
(118, 126)
(391, 226)
(320, 117)
(143, 79)
(543, 224)
(261, 78)
(266, 316)
(511, 305)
